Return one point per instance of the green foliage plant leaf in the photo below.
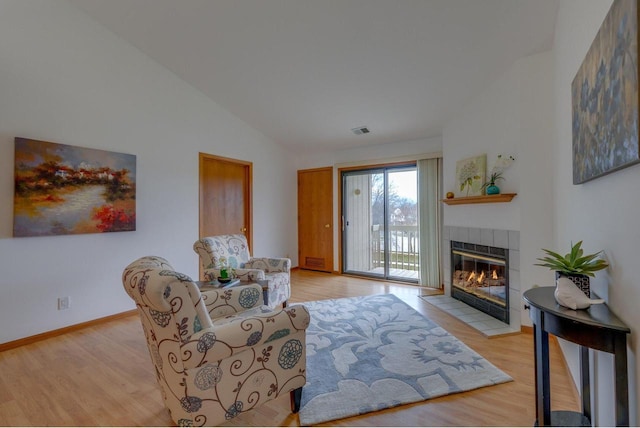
(574, 262)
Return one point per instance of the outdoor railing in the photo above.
(404, 245)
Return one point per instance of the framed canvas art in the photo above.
(470, 174)
(604, 96)
(63, 190)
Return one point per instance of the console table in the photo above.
(596, 328)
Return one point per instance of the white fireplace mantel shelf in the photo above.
(483, 199)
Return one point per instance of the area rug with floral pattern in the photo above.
(374, 352)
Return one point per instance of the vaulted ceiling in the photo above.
(305, 72)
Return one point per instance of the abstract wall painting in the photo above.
(604, 97)
(470, 174)
(65, 190)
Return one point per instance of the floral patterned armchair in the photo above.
(234, 250)
(211, 369)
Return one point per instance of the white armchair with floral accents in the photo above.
(212, 369)
(233, 251)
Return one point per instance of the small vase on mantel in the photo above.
(492, 189)
(489, 186)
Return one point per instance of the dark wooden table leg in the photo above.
(622, 391)
(585, 382)
(535, 369)
(543, 397)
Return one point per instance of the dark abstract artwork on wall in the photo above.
(64, 190)
(604, 96)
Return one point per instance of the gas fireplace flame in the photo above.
(494, 275)
(481, 278)
(473, 276)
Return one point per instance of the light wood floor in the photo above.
(102, 375)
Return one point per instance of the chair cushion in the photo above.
(233, 248)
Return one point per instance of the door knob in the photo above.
(327, 225)
(244, 229)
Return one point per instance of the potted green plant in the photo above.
(501, 164)
(574, 265)
(224, 270)
(489, 186)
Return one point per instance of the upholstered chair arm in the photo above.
(270, 264)
(252, 330)
(221, 302)
(246, 275)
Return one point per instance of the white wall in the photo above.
(527, 113)
(369, 155)
(489, 125)
(511, 117)
(63, 78)
(603, 212)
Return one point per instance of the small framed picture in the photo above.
(470, 175)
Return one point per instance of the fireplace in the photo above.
(480, 278)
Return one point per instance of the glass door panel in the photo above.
(403, 239)
(363, 224)
(380, 223)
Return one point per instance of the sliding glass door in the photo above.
(380, 223)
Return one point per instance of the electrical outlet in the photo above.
(64, 303)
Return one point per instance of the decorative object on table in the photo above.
(470, 175)
(450, 195)
(369, 353)
(67, 190)
(569, 295)
(226, 273)
(500, 165)
(604, 96)
(574, 265)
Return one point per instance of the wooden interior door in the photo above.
(225, 196)
(315, 219)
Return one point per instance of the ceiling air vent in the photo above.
(360, 130)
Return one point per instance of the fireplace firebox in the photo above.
(480, 278)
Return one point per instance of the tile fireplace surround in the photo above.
(509, 239)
